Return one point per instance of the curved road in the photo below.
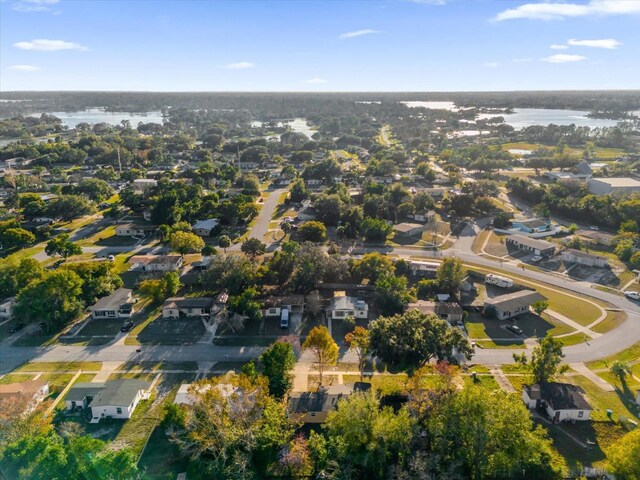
(624, 336)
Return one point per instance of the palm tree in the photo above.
(621, 370)
(224, 242)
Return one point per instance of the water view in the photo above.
(98, 115)
(526, 117)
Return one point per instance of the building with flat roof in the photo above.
(531, 245)
(613, 185)
(408, 229)
(584, 258)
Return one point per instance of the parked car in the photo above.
(127, 326)
(17, 327)
(515, 329)
(632, 295)
(284, 318)
(111, 258)
(594, 227)
(536, 258)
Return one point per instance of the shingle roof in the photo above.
(28, 387)
(119, 393)
(581, 254)
(531, 242)
(564, 396)
(81, 390)
(115, 300)
(513, 301)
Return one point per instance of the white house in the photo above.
(613, 186)
(6, 307)
(114, 399)
(132, 230)
(117, 305)
(204, 227)
(426, 216)
(563, 402)
(584, 258)
(176, 307)
(512, 304)
(143, 184)
(423, 269)
(273, 305)
(314, 182)
(343, 306)
(156, 263)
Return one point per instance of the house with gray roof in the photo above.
(176, 307)
(117, 305)
(343, 306)
(584, 258)
(563, 402)
(114, 399)
(512, 304)
(531, 245)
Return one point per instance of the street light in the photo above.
(138, 351)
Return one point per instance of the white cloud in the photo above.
(522, 60)
(239, 65)
(490, 64)
(555, 46)
(44, 45)
(28, 6)
(358, 33)
(429, 2)
(316, 80)
(609, 43)
(560, 11)
(24, 68)
(563, 58)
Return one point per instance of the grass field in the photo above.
(59, 366)
(630, 354)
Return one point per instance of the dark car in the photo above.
(17, 327)
(515, 329)
(127, 326)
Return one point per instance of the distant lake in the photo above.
(433, 105)
(526, 117)
(98, 115)
(298, 125)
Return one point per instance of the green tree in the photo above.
(253, 247)
(313, 231)
(491, 436)
(623, 457)
(371, 437)
(450, 275)
(68, 207)
(540, 306)
(620, 370)
(14, 275)
(372, 266)
(375, 229)
(234, 273)
(324, 348)
(159, 289)
(393, 294)
(277, 362)
(360, 342)
(55, 299)
(545, 360)
(413, 338)
(186, 242)
(16, 237)
(61, 245)
(224, 242)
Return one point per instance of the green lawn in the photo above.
(15, 378)
(384, 384)
(630, 354)
(59, 366)
(162, 459)
(612, 320)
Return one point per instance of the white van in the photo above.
(284, 318)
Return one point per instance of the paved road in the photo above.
(627, 334)
(261, 225)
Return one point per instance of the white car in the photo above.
(632, 295)
(536, 258)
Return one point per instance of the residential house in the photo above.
(563, 402)
(533, 225)
(33, 391)
(313, 407)
(176, 307)
(426, 216)
(435, 192)
(118, 399)
(81, 394)
(156, 263)
(144, 184)
(133, 230)
(6, 307)
(204, 228)
(342, 306)
(119, 304)
(613, 186)
(450, 311)
(601, 238)
(584, 258)
(512, 304)
(272, 306)
(313, 182)
(408, 229)
(531, 245)
(423, 269)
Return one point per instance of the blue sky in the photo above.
(309, 45)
